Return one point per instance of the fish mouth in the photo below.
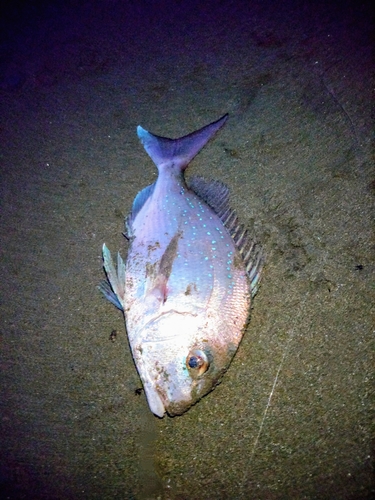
(159, 402)
(154, 400)
(163, 400)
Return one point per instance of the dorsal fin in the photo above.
(216, 195)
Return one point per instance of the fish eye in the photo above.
(197, 362)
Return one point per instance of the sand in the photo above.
(293, 416)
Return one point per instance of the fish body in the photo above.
(190, 274)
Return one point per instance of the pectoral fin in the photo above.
(114, 287)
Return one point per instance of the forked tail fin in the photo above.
(178, 153)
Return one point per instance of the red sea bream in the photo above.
(189, 277)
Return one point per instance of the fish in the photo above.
(191, 273)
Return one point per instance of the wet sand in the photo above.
(293, 416)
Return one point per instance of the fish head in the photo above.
(183, 365)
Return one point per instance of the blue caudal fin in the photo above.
(178, 152)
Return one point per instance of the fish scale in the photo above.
(189, 278)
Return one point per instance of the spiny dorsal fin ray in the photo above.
(216, 195)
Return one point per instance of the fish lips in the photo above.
(167, 383)
(165, 394)
(154, 400)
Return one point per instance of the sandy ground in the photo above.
(292, 417)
